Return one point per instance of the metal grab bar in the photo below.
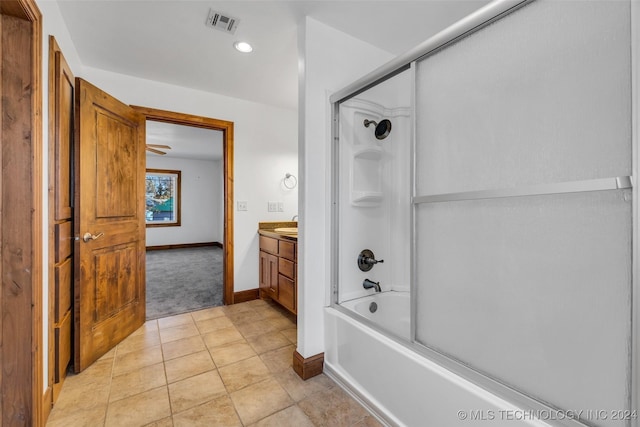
(617, 183)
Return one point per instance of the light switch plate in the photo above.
(242, 206)
(280, 206)
(272, 207)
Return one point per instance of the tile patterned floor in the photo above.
(224, 366)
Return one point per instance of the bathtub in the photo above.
(401, 386)
(388, 310)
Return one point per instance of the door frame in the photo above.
(227, 137)
(22, 386)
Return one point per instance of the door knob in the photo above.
(88, 236)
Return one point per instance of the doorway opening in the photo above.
(184, 219)
(226, 130)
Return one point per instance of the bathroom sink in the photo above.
(287, 230)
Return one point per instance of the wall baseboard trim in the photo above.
(184, 246)
(244, 296)
(309, 367)
(47, 403)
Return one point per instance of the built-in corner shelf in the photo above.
(366, 177)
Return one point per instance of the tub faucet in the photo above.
(368, 284)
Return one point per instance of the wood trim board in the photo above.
(184, 246)
(21, 210)
(308, 367)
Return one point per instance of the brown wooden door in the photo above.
(110, 223)
(61, 104)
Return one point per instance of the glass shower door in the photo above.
(522, 204)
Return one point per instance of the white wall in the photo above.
(201, 200)
(329, 60)
(265, 147)
(264, 150)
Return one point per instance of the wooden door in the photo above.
(61, 104)
(109, 223)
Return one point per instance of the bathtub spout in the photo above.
(368, 284)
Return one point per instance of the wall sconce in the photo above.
(290, 181)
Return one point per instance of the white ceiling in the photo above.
(167, 41)
(186, 142)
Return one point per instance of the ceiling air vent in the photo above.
(222, 22)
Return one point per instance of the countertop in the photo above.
(267, 228)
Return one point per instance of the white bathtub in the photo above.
(392, 311)
(403, 387)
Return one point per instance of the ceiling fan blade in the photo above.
(159, 146)
(153, 150)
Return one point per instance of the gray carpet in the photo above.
(183, 280)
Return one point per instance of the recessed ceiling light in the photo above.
(243, 47)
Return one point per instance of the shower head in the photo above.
(383, 129)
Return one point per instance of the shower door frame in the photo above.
(474, 22)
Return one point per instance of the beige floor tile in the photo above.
(109, 354)
(188, 366)
(173, 321)
(178, 332)
(222, 337)
(253, 329)
(237, 308)
(291, 416)
(207, 313)
(244, 317)
(149, 327)
(136, 342)
(291, 334)
(241, 374)
(332, 407)
(179, 348)
(75, 398)
(96, 374)
(368, 421)
(278, 360)
(165, 422)
(300, 389)
(260, 400)
(259, 389)
(137, 359)
(195, 391)
(94, 381)
(255, 303)
(268, 341)
(269, 312)
(140, 409)
(134, 382)
(280, 323)
(231, 353)
(78, 417)
(209, 325)
(215, 413)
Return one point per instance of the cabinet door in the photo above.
(268, 275)
(287, 293)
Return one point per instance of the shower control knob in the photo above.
(366, 260)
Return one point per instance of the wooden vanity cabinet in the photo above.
(278, 271)
(268, 275)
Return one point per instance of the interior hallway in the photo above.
(223, 366)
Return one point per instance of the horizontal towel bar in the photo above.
(616, 183)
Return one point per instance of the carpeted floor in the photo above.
(183, 280)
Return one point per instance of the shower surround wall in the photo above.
(520, 215)
(375, 189)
